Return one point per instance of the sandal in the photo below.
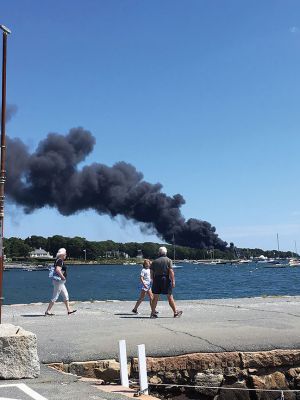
(178, 314)
(71, 312)
(48, 313)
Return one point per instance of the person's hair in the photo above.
(146, 261)
(61, 252)
(162, 251)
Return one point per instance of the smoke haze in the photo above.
(11, 110)
(50, 177)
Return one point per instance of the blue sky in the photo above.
(201, 96)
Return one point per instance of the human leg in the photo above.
(50, 305)
(56, 292)
(156, 291)
(150, 295)
(172, 304)
(67, 304)
(141, 298)
(65, 296)
(154, 304)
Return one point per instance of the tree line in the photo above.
(79, 248)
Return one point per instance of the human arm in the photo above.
(59, 273)
(172, 276)
(143, 282)
(142, 279)
(58, 270)
(171, 272)
(151, 274)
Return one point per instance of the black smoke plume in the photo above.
(11, 110)
(50, 177)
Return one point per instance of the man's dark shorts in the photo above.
(162, 285)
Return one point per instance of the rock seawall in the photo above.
(276, 369)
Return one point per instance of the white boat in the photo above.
(271, 260)
(262, 260)
(294, 262)
(244, 261)
(221, 262)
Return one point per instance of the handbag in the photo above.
(53, 274)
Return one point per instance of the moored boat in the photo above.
(294, 262)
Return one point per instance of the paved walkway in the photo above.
(53, 385)
(93, 332)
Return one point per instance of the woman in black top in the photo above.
(58, 274)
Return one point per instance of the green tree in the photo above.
(55, 243)
(75, 247)
(149, 249)
(16, 247)
(36, 242)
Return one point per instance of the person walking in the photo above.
(145, 287)
(58, 274)
(163, 281)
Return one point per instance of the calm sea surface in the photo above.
(120, 282)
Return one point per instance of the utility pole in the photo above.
(5, 33)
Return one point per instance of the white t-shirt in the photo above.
(145, 274)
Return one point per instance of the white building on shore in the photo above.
(40, 253)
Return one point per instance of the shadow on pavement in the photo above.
(142, 317)
(131, 314)
(32, 315)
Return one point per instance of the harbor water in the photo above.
(121, 282)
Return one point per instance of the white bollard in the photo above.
(123, 363)
(142, 369)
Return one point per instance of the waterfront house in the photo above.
(116, 254)
(40, 253)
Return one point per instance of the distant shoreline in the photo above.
(45, 265)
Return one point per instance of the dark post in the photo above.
(2, 163)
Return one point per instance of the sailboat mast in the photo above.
(174, 248)
(278, 244)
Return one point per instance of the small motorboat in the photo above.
(294, 262)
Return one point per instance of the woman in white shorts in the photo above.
(58, 274)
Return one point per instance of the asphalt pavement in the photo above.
(53, 385)
(93, 332)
